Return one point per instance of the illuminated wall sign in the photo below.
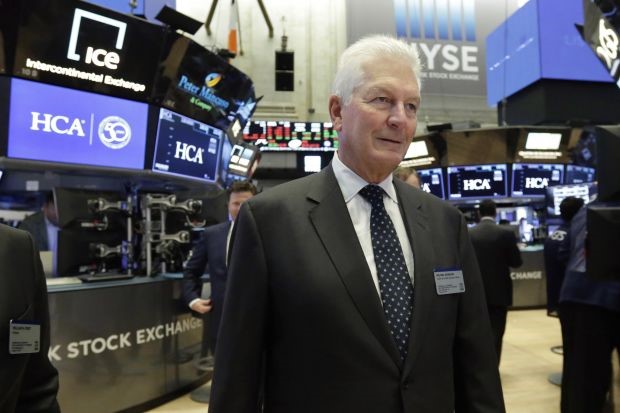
(70, 126)
(88, 47)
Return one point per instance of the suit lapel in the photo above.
(420, 236)
(333, 225)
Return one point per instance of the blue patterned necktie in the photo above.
(394, 281)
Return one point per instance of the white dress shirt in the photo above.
(359, 209)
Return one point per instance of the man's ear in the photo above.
(335, 112)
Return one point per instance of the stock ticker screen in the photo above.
(477, 181)
(291, 136)
(186, 147)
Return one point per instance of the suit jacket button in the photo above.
(405, 386)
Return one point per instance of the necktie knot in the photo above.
(373, 194)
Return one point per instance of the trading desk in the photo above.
(123, 345)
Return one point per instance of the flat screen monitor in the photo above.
(186, 147)
(432, 181)
(477, 181)
(532, 180)
(84, 46)
(291, 136)
(56, 124)
(579, 174)
(556, 194)
(198, 83)
(241, 158)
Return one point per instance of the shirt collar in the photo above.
(351, 183)
(491, 219)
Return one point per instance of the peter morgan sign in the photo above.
(87, 47)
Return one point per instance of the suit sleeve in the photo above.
(40, 382)
(238, 377)
(195, 267)
(514, 255)
(477, 383)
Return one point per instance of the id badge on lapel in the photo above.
(449, 281)
(24, 337)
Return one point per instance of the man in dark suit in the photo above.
(209, 255)
(316, 316)
(496, 250)
(28, 381)
(43, 225)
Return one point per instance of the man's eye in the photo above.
(411, 107)
(380, 99)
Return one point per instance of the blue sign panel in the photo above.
(52, 123)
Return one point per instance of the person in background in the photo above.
(408, 175)
(43, 225)
(348, 290)
(496, 250)
(210, 255)
(28, 381)
(590, 317)
(556, 253)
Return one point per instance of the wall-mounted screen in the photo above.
(432, 181)
(241, 158)
(55, 124)
(186, 147)
(579, 174)
(556, 194)
(84, 46)
(533, 179)
(291, 136)
(477, 181)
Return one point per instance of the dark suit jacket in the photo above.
(301, 303)
(496, 251)
(28, 382)
(209, 255)
(35, 225)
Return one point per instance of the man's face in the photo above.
(49, 210)
(376, 127)
(235, 201)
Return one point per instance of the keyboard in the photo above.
(89, 278)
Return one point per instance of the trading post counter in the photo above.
(123, 345)
(529, 281)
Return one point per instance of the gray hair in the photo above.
(350, 73)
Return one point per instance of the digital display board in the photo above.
(84, 46)
(477, 181)
(539, 40)
(291, 136)
(556, 194)
(56, 124)
(579, 174)
(196, 82)
(432, 181)
(186, 147)
(533, 179)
